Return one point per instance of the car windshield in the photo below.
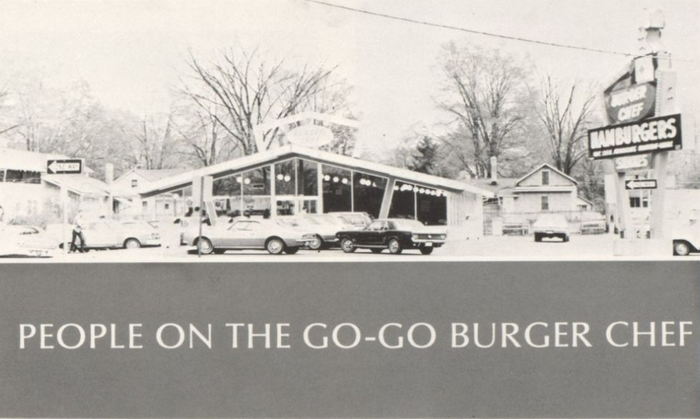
(407, 224)
(288, 222)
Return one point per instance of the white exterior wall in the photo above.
(532, 202)
(465, 216)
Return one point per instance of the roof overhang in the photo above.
(324, 157)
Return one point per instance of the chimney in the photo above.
(109, 173)
(493, 162)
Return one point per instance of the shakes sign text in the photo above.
(653, 134)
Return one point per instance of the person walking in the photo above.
(77, 236)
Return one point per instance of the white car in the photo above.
(24, 241)
(323, 226)
(551, 225)
(109, 234)
(686, 237)
(245, 233)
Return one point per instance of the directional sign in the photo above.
(64, 167)
(640, 184)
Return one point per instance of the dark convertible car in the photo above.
(394, 234)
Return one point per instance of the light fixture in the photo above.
(345, 181)
(280, 176)
(246, 181)
(336, 179)
(326, 177)
(239, 179)
(287, 178)
(409, 188)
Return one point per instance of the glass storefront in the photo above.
(368, 192)
(337, 189)
(403, 203)
(291, 187)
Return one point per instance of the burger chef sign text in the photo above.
(631, 103)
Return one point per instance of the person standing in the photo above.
(77, 236)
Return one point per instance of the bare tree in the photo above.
(487, 95)
(565, 119)
(155, 141)
(243, 91)
(202, 137)
(6, 126)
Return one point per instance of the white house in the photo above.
(543, 189)
(29, 194)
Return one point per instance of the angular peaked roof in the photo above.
(542, 166)
(246, 162)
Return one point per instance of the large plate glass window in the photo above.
(307, 178)
(368, 193)
(337, 189)
(432, 206)
(256, 192)
(403, 203)
(285, 178)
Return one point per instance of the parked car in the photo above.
(686, 236)
(24, 241)
(109, 234)
(593, 223)
(551, 225)
(358, 220)
(323, 226)
(272, 235)
(394, 234)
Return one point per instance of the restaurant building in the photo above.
(292, 179)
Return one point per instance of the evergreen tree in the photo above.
(425, 157)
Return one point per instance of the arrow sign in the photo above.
(640, 184)
(64, 167)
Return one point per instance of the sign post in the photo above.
(64, 167)
(645, 125)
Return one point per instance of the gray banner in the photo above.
(368, 379)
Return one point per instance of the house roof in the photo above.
(542, 166)
(257, 159)
(489, 185)
(15, 159)
(153, 175)
(80, 184)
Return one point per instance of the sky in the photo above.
(131, 53)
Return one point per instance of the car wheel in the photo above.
(205, 246)
(395, 247)
(565, 238)
(274, 246)
(538, 238)
(681, 248)
(376, 250)
(426, 250)
(132, 244)
(317, 243)
(347, 245)
(291, 250)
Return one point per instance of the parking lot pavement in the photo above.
(580, 247)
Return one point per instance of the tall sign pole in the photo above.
(644, 125)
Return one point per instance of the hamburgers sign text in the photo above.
(630, 103)
(653, 134)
